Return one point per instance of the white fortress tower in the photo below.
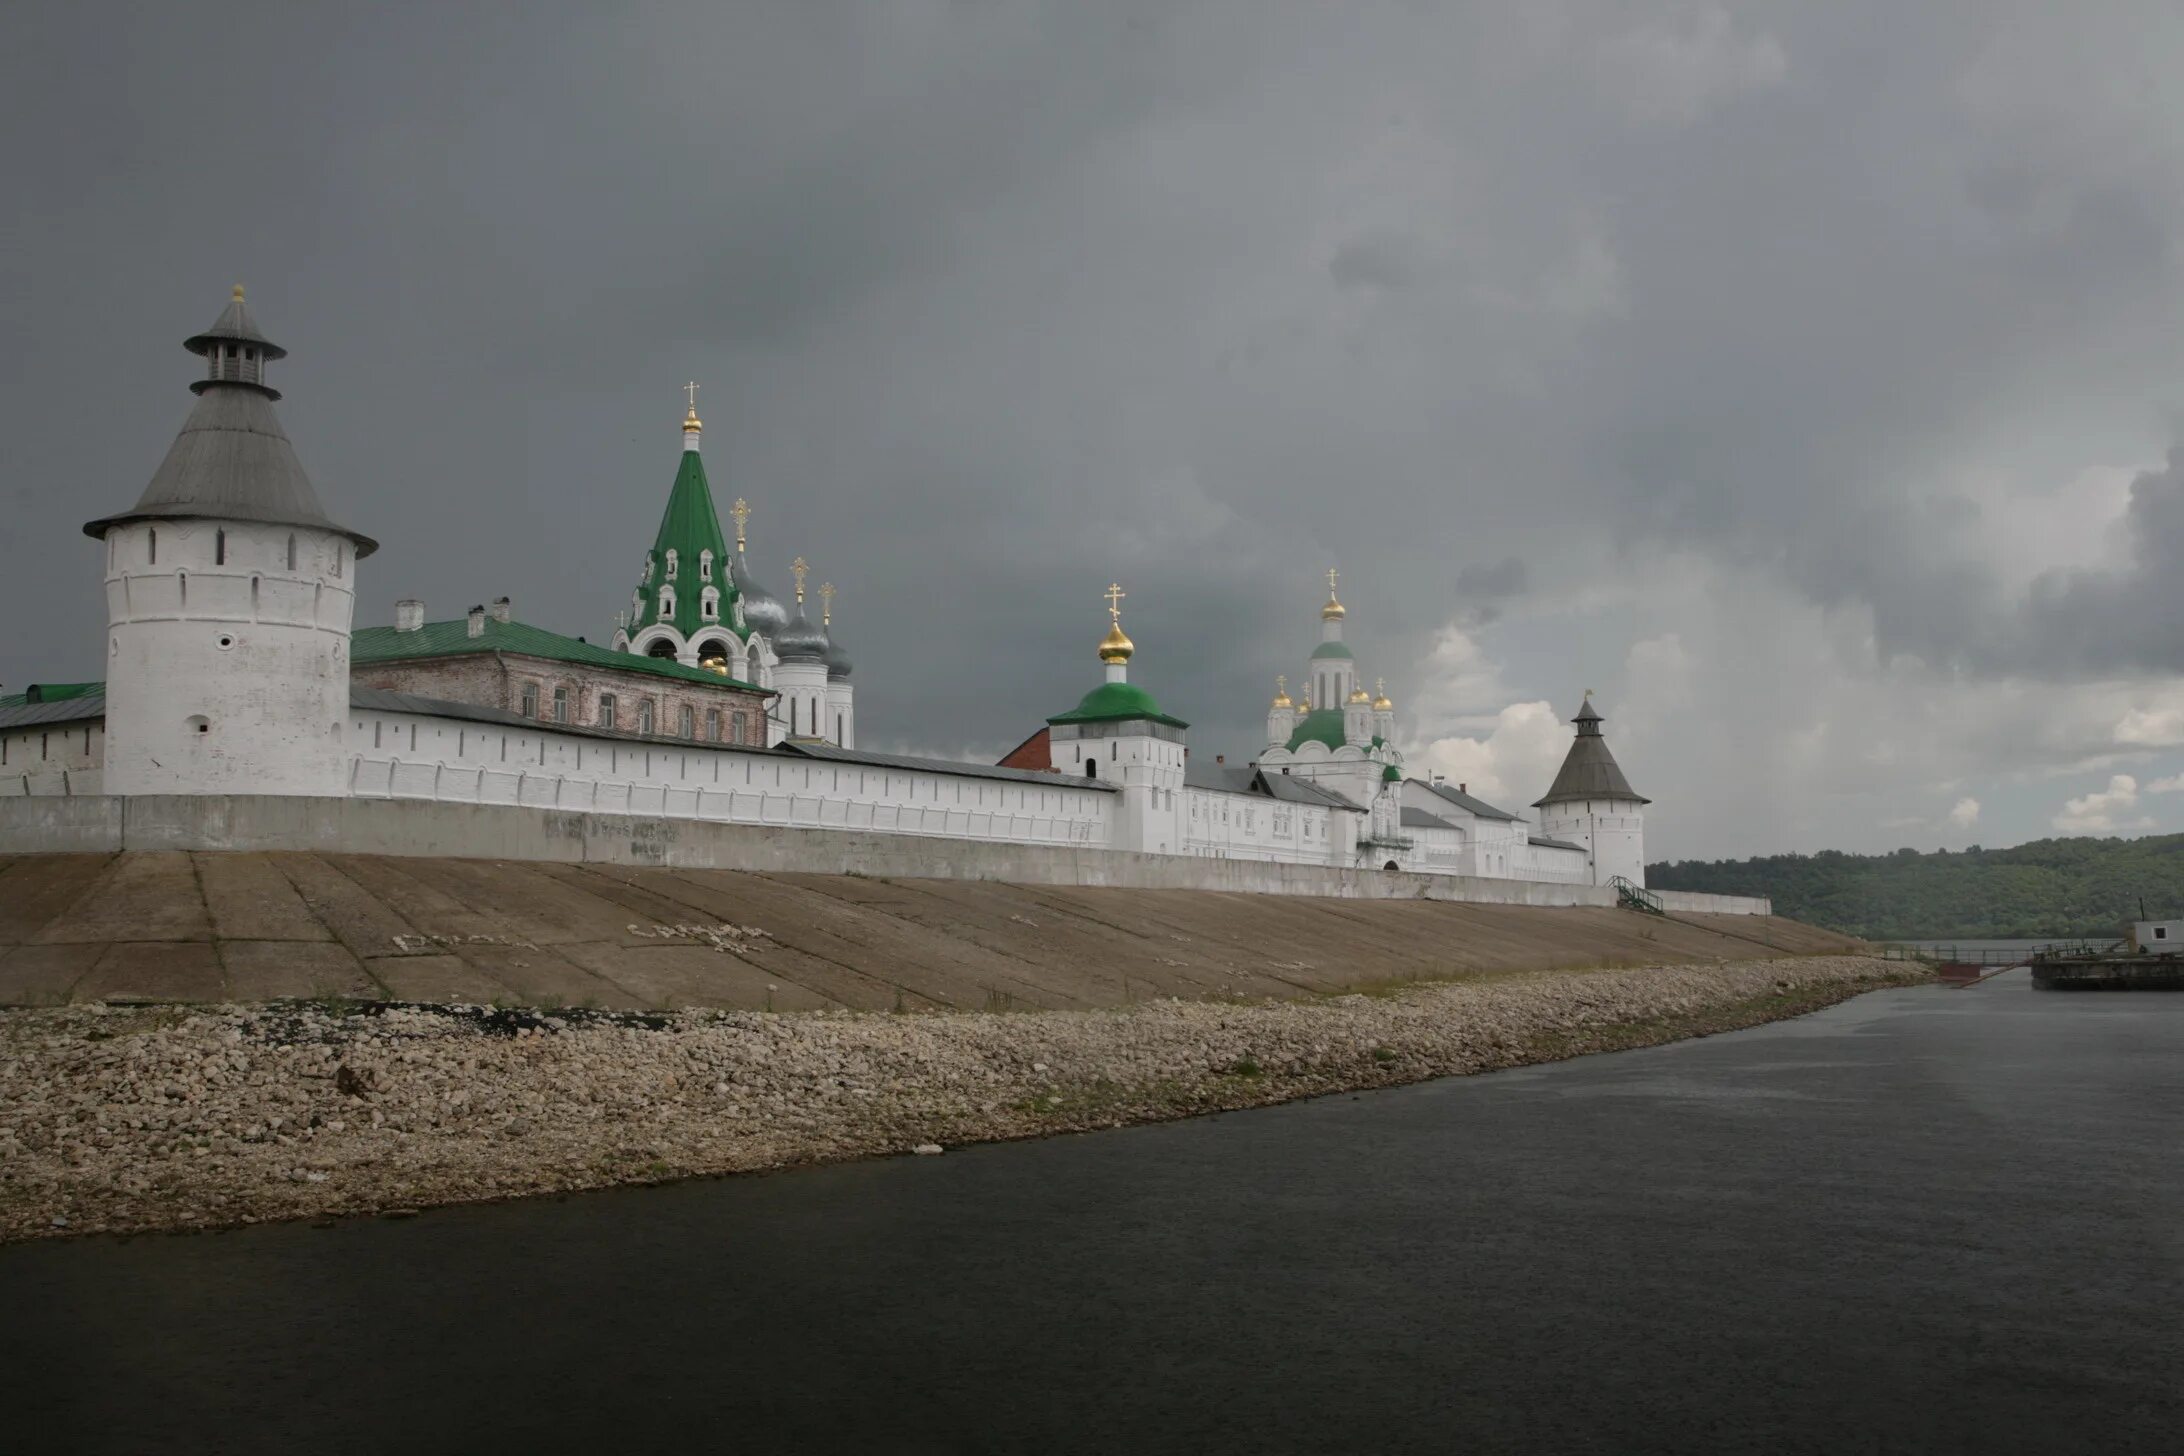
(228, 600)
(1118, 733)
(1593, 805)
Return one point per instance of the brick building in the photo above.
(490, 660)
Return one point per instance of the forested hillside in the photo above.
(2052, 887)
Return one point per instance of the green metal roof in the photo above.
(453, 639)
(1117, 702)
(689, 527)
(1391, 775)
(50, 693)
(1330, 649)
(1321, 725)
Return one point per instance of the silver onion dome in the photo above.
(799, 641)
(838, 663)
(762, 610)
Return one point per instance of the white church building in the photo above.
(232, 667)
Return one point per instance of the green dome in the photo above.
(1321, 725)
(1391, 775)
(1330, 649)
(1117, 702)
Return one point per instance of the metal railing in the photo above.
(1636, 897)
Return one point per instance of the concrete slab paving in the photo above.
(175, 970)
(206, 925)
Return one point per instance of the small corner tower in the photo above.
(1117, 733)
(229, 598)
(1593, 805)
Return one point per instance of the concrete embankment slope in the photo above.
(233, 926)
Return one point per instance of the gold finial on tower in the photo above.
(1333, 611)
(800, 569)
(1281, 691)
(826, 603)
(1116, 646)
(741, 511)
(691, 423)
(1359, 695)
(238, 293)
(1382, 703)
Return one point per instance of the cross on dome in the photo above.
(741, 511)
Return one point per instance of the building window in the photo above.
(291, 551)
(709, 604)
(712, 724)
(667, 602)
(705, 564)
(644, 715)
(152, 558)
(670, 563)
(606, 710)
(686, 722)
(792, 718)
(735, 728)
(530, 700)
(219, 548)
(561, 705)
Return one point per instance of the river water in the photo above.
(1924, 1220)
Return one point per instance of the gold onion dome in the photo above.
(691, 423)
(1281, 693)
(1360, 696)
(1383, 703)
(1116, 646)
(1333, 611)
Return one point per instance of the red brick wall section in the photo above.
(485, 681)
(1034, 753)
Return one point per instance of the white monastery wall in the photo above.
(106, 823)
(413, 756)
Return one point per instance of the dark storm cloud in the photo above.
(1491, 306)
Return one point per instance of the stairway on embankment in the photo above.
(229, 926)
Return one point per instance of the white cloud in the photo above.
(2152, 727)
(1965, 813)
(1460, 685)
(2174, 784)
(2107, 812)
(1513, 764)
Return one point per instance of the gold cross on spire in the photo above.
(800, 568)
(1114, 595)
(1281, 682)
(691, 389)
(1380, 685)
(1330, 581)
(826, 598)
(741, 510)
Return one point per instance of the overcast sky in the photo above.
(1802, 378)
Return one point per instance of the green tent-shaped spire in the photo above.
(689, 557)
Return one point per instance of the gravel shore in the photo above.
(129, 1119)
